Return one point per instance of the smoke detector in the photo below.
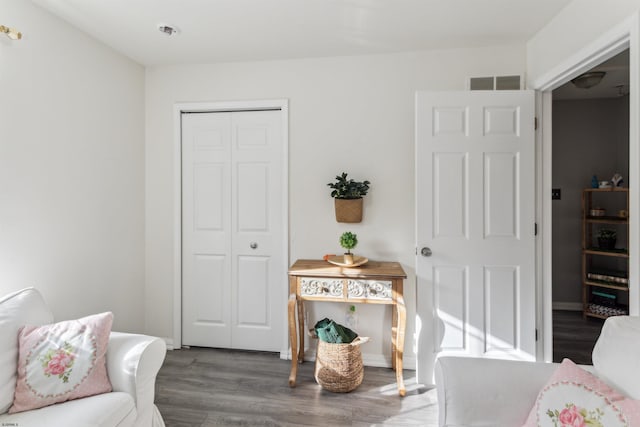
(167, 29)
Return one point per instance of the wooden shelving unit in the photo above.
(610, 290)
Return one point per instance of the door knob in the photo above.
(253, 245)
(425, 251)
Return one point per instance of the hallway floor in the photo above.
(574, 337)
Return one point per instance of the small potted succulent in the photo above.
(348, 194)
(348, 240)
(607, 238)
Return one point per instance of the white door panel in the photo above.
(475, 211)
(206, 182)
(257, 237)
(232, 230)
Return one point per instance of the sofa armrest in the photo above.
(133, 361)
(488, 392)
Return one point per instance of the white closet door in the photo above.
(475, 221)
(233, 241)
(257, 297)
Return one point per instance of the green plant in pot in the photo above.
(347, 194)
(607, 238)
(348, 240)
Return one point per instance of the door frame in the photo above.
(217, 107)
(623, 36)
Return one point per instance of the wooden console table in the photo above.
(375, 282)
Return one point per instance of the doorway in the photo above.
(590, 116)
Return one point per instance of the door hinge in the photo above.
(535, 123)
(535, 228)
(536, 334)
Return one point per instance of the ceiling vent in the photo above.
(495, 83)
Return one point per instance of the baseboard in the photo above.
(567, 306)
(169, 343)
(368, 359)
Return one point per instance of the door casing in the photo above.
(623, 36)
(224, 106)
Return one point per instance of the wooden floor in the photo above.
(215, 387)
(574, 337)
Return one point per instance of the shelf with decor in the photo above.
(605, 267)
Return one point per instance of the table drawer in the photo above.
(318, 287)
(370, 289)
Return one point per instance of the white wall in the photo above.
(353, 114)
(590, 137)
(577, 25)
(71, 169)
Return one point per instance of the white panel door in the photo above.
(475, 226)
(233, 237)
(206, 230)
(259, 281)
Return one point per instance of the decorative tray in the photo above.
(339, 260)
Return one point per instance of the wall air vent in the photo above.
(495, 83)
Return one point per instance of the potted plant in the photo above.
(607, 238)
(348, 240)
(348, 194)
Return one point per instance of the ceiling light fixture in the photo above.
(588, 80)
(12, 33)
(167, 29)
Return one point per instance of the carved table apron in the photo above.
(375, 282)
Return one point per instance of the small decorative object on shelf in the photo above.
(594, 181)
(348, 240)
(607, 238)
(348, 198)
(605, 268)
(617, 180)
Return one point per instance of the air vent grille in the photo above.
(495, 83)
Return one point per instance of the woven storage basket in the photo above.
(348, 210)
(339, 366)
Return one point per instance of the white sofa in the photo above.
(500, 393)
(133, 362)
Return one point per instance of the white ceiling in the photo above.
(247, 30)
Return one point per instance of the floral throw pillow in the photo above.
(574, 397)
(62, 361)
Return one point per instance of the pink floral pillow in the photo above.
(62, 361)
(574, 397)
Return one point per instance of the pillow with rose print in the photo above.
(62, 361)
(574, 397)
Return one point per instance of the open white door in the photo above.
(475, 228)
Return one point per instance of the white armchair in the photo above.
(501, 393)
(132, 362)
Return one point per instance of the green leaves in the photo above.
(348, 240)
(345, 188)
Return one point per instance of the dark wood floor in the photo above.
(574, 337)
(215, 387)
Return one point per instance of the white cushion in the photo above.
(103, 410)
(616, 355)
(16, 310)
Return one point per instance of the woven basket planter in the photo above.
(348, 210)
(339, 366)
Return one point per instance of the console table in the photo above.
(375, 282)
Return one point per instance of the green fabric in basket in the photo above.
(329, 331)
